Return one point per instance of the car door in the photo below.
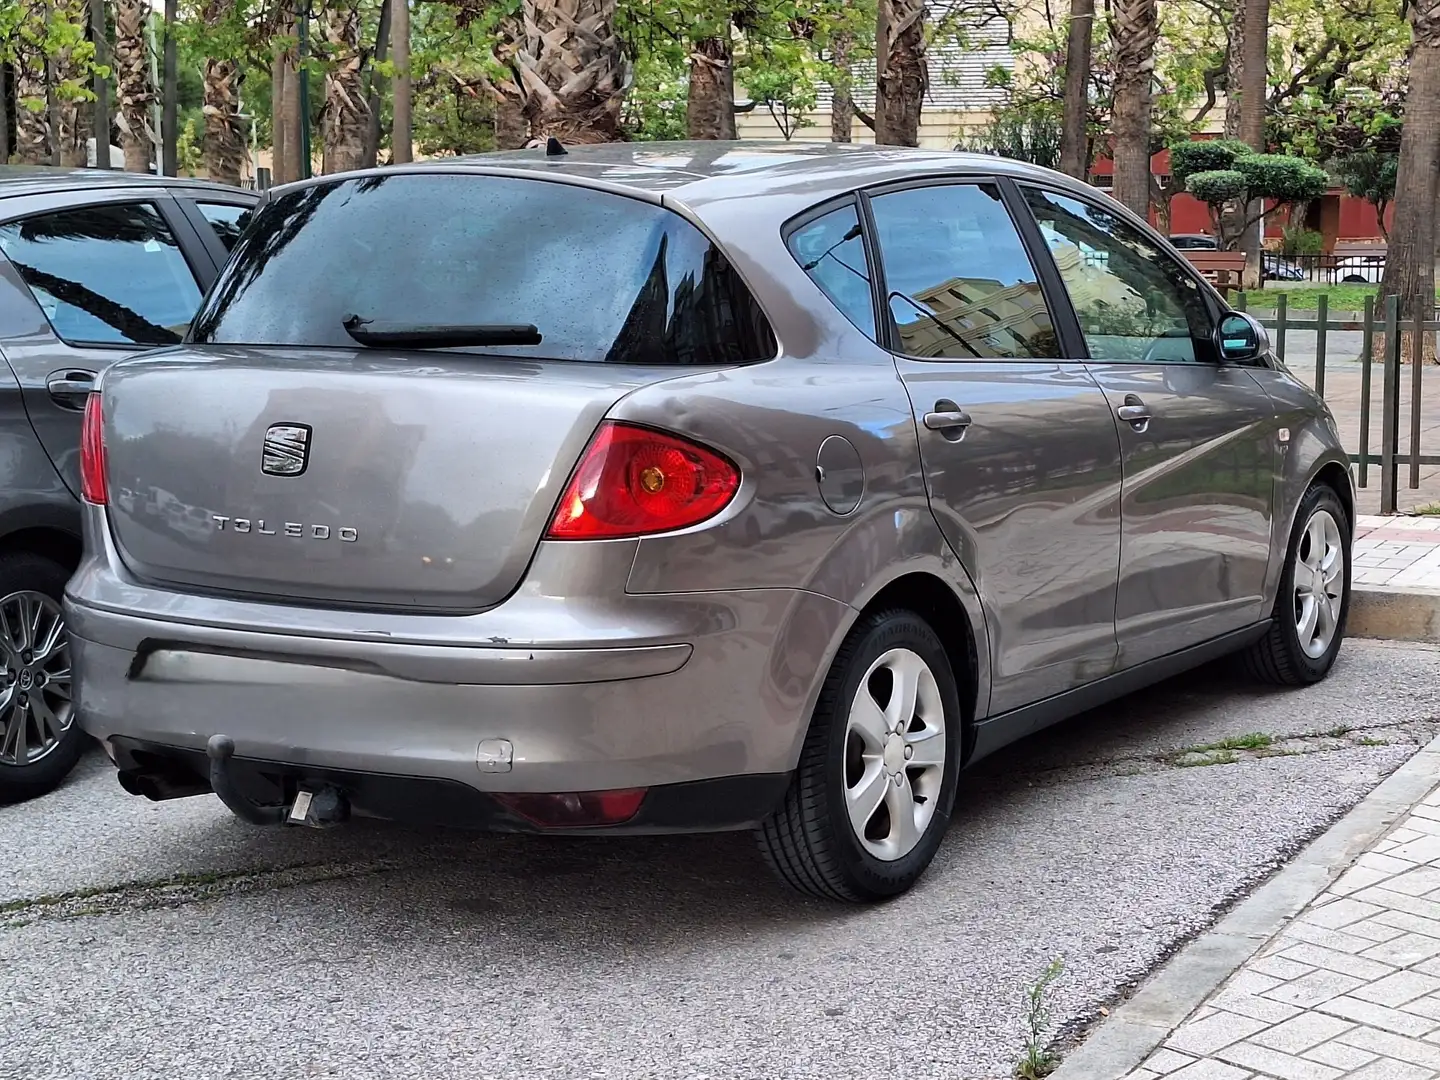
(114, 272)
(1020, 452)
(1199, 437)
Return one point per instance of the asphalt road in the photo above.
(167, 940)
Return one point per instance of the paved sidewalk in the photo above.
(1349, 989)
(1397, 552)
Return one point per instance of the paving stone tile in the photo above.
(1259, 1008)
(1395, 990)
(1210, 1069)
(1357, 878)
(1373, 860)
(1381, 1017)
(1373, 930)
(1213, 1033)
(1393, 1046)
(1340, 912)
(1388, 1069)
(1404, 950)
(1428, 967)
(1417, 847)
(1299, 1034)
(1417, 882)
(1346, 963)
(1339, 1055)
(1165, 1061)
(1143, 1074)
(1429, 1005)
(1415, 924)
(1425, 825)
(1394, 901)
(1314, 989)
(1248, 981)
(1340, 940)
(1276, 969)
(1275, 1063)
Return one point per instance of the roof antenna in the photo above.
(553, 148)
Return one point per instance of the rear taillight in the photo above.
(633, 481)
(92, 453)
(580, 809)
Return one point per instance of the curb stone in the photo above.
(1411, 614)
(1134, 1031)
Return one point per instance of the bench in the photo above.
(1222, 269)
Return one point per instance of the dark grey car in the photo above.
(687, 487)
(93, 266)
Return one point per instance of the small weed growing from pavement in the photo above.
(1370, 740)
(1433, 510)
(1037, 1061)
(1338, 732)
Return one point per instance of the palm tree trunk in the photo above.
(1254, 88)
(842, 104)
(134, 93)
(402, 131)
(1074, 133)
(72, 128)
(32, 100)
(1134, 28)
(346, 115)
(512, 130)
(224, 139)
(1235, 75)
(572, 70)
(1410, 260)
(710, 102)
(903, 78)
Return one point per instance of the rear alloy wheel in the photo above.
(40, 741)
(872, 796)
(1314, 598)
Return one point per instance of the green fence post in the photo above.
(1417, 365)
(1390, 406)
(1365, 350)
(1240, 301)
(1321, 311)
(1280, 326)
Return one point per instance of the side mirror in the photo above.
(1240, 338)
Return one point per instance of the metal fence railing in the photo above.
(1389, 332)
(1340, 268)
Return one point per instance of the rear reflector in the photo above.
(93, 484)
(633, 481)
(574, 809)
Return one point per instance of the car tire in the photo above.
(825, 839)
(32, 583)
(1304, 638)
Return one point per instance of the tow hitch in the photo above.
(318, 808)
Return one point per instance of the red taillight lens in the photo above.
(633, 481)
(575, 809)
(93, 484)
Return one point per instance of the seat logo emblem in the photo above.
(286, 451)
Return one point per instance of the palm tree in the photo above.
(69, 71)
(1253, 90)
(1410, 261)
(842, 104)
(224, 137)
(402, 127)
(135, 93)
(32, 113)
(1134, 28)
(1075, 134)
(346, 117)
(571, 70)
(710, 100)
(902, 76)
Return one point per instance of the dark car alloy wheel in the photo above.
(35, 707)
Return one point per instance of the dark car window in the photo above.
(111, 274)
(1135, 302)
(831, 250)
(602, 277)
(961, 284)
(227, 220)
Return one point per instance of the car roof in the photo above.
(697, 173)
(18, 180)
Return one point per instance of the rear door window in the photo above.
(109, 274)
(961, 284)
(227, 220)
(602, 277)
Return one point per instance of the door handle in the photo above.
(71, 388)
(1134, 412)
(947, 416)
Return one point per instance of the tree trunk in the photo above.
(842, 104)
(572, 71)
(32, 113)
(224, 139)
(279, 118)
(134, 94)
(100, 121)
(1074, 134)
(170, 96)
(372, 93)
(4, 113)
(512, 130)
(1410, 260)
(1235, 74)
(1253, 92)
(346, 115)
(1134, 28)
(68, 69)
(710, 103)
(904, 78)
(402, 130)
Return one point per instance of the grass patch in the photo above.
(1338, 732)
(1256, 740)
(1190, 759)
(1342, 298)
(1433, 510)
(1370, 740)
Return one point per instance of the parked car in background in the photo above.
(93, 267)
(1277, 268)
(687, 488)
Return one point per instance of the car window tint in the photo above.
(1135, 302)
(108, 274)
(830, 249)
(227, 221)
(961, 284)
(602, 277)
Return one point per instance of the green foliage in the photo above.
(1282, 178)
(1029, 133)
(1217, 186)
(1368, 174)
(1299, 240)
(1036, 1061)
(1202, 156)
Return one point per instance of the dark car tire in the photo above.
(21, 572)
(1281, 657)
(809, 841)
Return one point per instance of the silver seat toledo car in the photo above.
(686, 487)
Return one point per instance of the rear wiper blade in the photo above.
(458, 336)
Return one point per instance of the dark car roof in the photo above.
(41, 179)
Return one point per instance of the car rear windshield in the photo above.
(601, 277)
